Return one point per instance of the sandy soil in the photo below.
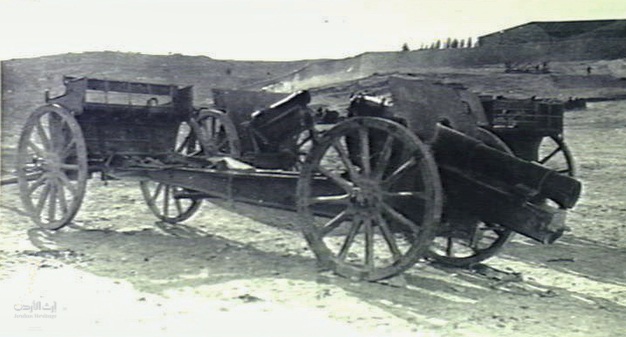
(235, 270)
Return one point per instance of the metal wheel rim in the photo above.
(52, 166)
(376, 214)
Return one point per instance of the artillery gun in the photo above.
(374, 193)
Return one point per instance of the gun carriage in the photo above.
(391, 184)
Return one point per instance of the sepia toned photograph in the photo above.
(430, 168)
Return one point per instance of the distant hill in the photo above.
(24, 80)
(200, 71)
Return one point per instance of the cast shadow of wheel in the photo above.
(180, 256)
(274, 217)
(170, 257)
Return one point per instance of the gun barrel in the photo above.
(500, 188)
(471, 156)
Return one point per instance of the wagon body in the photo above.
(125, 118)
(532, 128)
(543, 117)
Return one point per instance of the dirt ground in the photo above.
(239, 270)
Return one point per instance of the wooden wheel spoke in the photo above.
(449, 249)
(369, 243)
(331, 199)
(220, 146)
(399, 217)
(345, 158)
(179, 206)
(70, 167)
(166, 200)
(39, 151)
(36, 184)
(364, 141)
(52, 201)
(67, 149)
(155, 194)
(334, 223)
(181, 147)
(397, 173)
(475, 239)
(58, 135)
(343, 183)
(45, 140)
(549, 156)
(42, 199)
(304, 141)
(62, 198)
(389, 238)
(406, 194)
(213, 127)
(354, 230)
(65, 181)
(383, 159)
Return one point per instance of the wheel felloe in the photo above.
(52, 166)
(379, 216)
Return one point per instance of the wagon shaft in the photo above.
(269, 188)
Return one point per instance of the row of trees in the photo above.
(447, 44)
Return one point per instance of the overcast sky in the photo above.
(268, 29)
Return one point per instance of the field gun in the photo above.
(487, 185)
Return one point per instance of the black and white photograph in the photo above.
(366, 168)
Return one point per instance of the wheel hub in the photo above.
(366, 195)
(52, 162)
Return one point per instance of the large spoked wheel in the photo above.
(463, 240)
(52, 166)
(369, 198)
(554, 154)
(163, 199)
(218, 134)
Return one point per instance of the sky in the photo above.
(271, 30)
